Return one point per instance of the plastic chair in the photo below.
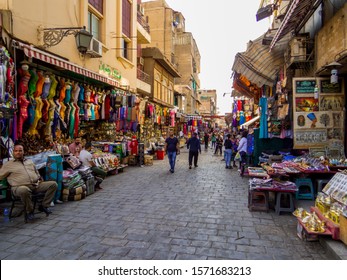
(284, 202)
(305, 189)
(321, 184)
(258, 200)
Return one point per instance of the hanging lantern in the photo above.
(334, 77)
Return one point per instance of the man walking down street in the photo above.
(206, 139)
(194, 147)
(172, 149)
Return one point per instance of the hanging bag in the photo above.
(238, 156)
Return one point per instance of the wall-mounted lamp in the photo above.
(53, 36)
(334, 78)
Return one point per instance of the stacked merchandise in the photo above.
(329, 216)
(257, 183)
(74, 187)
(106, 161)
(88, 178)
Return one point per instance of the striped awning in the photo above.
(295, 14)
(32, 52)
(258, 64)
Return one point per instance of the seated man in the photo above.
(24, 179)
(86, 158)
(75, 147)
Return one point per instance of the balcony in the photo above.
(143, 82)
(143, 31)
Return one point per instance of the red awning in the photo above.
(32, 52)
(296, 13)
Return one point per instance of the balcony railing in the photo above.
(144, 77)
(142, 21)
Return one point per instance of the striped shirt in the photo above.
(20, 173)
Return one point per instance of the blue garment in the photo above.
(193, 144)
(227, 157)
(263, 129)
(172, 159)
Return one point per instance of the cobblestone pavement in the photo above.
(149, 213)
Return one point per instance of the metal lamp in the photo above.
(83, 38)
(53, 36)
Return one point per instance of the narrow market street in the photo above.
(149, 213)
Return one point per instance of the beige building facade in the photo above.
(113, 24)
(208, 99)
(179, 47)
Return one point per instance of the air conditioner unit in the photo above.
(298, 49)
(140, 60)
(95, 48)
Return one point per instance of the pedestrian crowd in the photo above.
(233, 143)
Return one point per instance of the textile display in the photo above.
(54, 172)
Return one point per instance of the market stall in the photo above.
(328, 216)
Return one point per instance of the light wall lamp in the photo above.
(334, 78)
(53, 36)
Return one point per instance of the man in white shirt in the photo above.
(87, 159)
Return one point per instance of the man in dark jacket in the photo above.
(194, 147)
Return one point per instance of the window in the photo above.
(157, 90)
(176, 101)
(126, 53)
(98, 5)
(126, 18)
(94, 25)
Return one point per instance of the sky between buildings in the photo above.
(221, 28)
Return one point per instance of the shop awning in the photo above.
(246, 124)
(296, 13)
(258, 64)
(32, 52)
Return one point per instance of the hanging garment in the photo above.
(67, 98)
(52, 90)
(23, 83)
(239, 105)
(263, 129)
(32, 83)
(75, 91)
(77, 120)
(107, 107)
(39, 84)
(172, 115)
(72, 120)
(242, 118)
(81, 93)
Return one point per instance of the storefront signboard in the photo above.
(327, 87)
(305, 86)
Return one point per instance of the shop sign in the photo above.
(109, 71)
(305, 86)
(327, 87)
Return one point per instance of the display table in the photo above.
(258, 195)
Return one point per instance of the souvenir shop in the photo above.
(193, 123)
(50, 102)
(243, 109)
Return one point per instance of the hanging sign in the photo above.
(305, 86)
(327, 87)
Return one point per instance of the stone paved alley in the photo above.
(149, 213)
